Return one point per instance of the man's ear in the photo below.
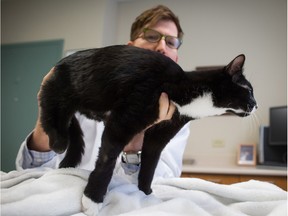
(130, 43)
(176, 60)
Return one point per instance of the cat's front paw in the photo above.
(89, 207)
(146, 189)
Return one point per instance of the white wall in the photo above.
(80, 23)
(215, 32)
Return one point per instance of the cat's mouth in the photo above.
(241, 112)
(238, 113)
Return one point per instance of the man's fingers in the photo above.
(171, 110)
(163, 106)
(47, 76)
(166, 108)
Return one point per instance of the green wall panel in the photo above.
(23, 67)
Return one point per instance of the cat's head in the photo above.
(234, 92)
(220, 91)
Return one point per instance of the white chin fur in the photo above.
(201, 107)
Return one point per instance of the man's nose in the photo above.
(161, 46)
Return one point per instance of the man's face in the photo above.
(165, 28)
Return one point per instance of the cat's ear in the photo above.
(236, 65)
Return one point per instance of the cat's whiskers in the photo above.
(247, 112)
(254, 124)
(251, 123)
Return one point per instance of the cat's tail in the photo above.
(76, 145)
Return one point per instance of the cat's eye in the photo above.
(250, 90)
(154, 36)
(246, 87)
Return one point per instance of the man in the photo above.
(156, 29)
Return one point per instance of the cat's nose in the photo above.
(253, 108)
(253, 104)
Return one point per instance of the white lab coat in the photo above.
(169, 165)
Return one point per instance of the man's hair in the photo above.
(152, 16)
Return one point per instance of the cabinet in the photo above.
(280, 181)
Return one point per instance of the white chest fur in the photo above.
(201, 107)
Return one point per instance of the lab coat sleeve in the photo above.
(30, 159)
(92, 136)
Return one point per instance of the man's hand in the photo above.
(39, 140)
(166, 110)
(46, 77)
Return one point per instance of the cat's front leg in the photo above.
(155, 140)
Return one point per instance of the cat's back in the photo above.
(128, 59)
(119, 65)
(139, 62)
(110, 55)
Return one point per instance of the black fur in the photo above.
(121, 85)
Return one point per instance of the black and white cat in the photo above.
(121, 85)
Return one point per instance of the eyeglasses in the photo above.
(155, 36)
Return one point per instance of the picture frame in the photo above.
(247, 154)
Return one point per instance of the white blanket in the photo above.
(59, 192)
